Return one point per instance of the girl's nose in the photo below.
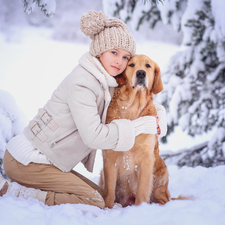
(119, 61)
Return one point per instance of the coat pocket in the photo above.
(64, 138)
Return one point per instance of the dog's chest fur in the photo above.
(129, 103)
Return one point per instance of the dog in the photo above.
(138, 175)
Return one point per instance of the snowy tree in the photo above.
(46, 6)
(63, 25)
(194, 83)
(12, 122)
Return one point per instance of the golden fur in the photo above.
(138, 175)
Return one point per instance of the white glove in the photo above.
(145, 125)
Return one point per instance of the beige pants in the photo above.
(62, 187)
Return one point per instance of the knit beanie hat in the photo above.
(106, 33)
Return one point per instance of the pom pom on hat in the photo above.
(106, 33)
(92, 23)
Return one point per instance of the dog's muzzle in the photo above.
(140, 78)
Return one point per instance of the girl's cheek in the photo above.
(125, 65)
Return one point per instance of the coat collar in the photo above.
(92, 65)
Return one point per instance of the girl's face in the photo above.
(115, 61)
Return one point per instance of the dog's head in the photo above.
(141, 72)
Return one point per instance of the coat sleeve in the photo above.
(82, 100)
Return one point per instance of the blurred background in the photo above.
(40, 43)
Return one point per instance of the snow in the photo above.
(192, 7)
(170, 6)
(12, 119)
(205, 188)
(218, 13)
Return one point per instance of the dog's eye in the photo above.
(131, 65)
(147, 65)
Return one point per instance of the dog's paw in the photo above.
(109, 202)
(117, 205)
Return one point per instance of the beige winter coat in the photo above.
(71, 126)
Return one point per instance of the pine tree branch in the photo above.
(154, 1)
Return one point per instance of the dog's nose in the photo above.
(141, 74)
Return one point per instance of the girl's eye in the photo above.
(114, 53)
(126, 58)
(147, 65)
(131, 65)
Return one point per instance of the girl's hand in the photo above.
(158, 128)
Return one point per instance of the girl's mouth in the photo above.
(115, 67)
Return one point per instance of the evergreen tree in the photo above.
(194, 84)
(194, 87)
(46, 6)
(150, 14)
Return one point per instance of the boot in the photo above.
(15, 189)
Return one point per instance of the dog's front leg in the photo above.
(145, 180)
(110, 176)
(145, 173)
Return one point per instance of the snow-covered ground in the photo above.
(204, 186)
(31, 68)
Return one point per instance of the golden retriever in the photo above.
(138, 175)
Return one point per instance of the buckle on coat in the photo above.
(47, 119)
(34, 127)
(37, 131)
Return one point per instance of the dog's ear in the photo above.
(121, 79)
(158, 85)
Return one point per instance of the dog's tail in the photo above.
(180, 197)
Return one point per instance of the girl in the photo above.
(71, 126)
